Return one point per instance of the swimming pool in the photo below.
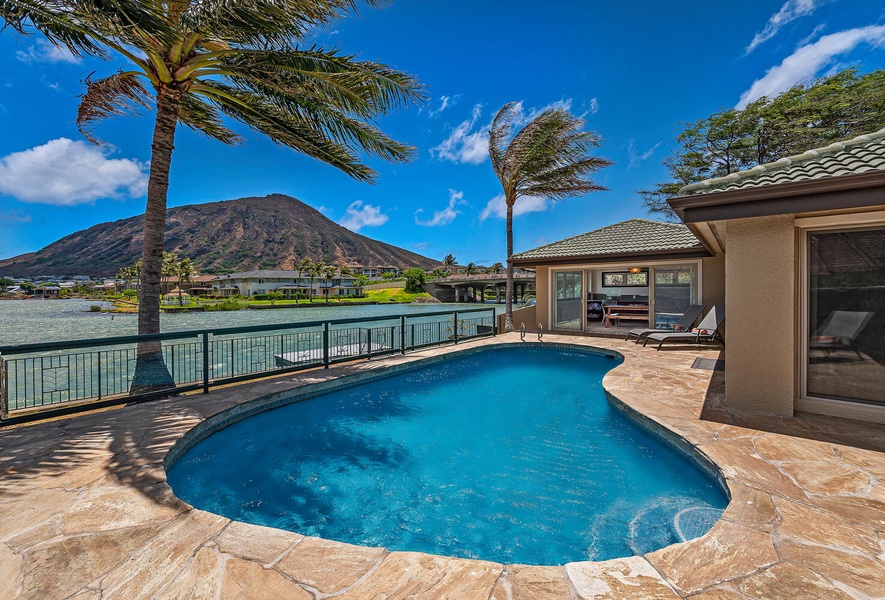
(512, 455)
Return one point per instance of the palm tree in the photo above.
(449, 261)
(438, 273)
(329, 273)
(315, 270)
(301, 267)
(342, 273)
(549, 157)
(183, 269)
(496, 268)
(125, 274)
(470, 269)
(196, 61)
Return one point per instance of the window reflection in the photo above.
(846, 315)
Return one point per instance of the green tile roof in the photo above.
(636, 236)
(858, 155)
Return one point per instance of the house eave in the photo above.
(678, 253)
(813, 195)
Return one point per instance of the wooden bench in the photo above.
(629, 312)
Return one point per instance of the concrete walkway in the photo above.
(85, 511)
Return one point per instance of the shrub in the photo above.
(94, 308)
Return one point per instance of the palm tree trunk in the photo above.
(151, 373)
(508, 299)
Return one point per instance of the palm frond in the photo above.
(267, 118)
(118, 95)
(264, 22)
(363, 88)
(499, 135)
(550, 156)
(205, 118)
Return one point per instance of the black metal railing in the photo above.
(37, 380)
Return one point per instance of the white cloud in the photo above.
(8, 217)
(359, 215)
(594, 106)
(420, 245)
(496, 207)
(64, 173)
(790, 11)
(638, 157)
(465, 145)
(446, 215)
(45, 51)
(805, 62)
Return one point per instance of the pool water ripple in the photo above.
(512, 455)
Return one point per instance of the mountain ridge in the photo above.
(219, 237)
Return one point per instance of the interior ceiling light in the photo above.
(636, 269)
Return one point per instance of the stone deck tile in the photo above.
(85, 511)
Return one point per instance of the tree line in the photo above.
(806, 116)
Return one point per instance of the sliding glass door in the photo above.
(845, 349)
(675, 291)
(568, 304)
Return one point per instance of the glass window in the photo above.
(846, 315)
(625, 279)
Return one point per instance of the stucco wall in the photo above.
(760, 279)
(542, 295)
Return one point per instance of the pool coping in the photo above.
(88, 511)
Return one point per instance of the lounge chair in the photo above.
(706, 331)
(839, 331)
(683, 324)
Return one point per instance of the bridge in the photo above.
(473, 288)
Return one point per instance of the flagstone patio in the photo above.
(85, 511)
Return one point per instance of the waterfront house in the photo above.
(288, 283)
(199, 286)
(803, 242)
(794, 250)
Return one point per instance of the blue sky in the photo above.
(634, 70)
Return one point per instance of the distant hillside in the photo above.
(219, 237)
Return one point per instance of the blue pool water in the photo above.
(511, 455)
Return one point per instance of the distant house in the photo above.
(249, 283)
(376, 272)
(201, 284)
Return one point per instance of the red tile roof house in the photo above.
(794, 250)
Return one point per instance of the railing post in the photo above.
(456, 327)
(4, 390)
(402, 334)
(205, 362)
(326, 344)
(368, 342)
(99, 375)
(494, 323)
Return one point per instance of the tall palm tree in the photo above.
(315, 270)
(496, 268)
(549, 157)
(195, 61)
(301, 267)
(449, 261)
(470, 269)
(343, 271)
(328, 274)
(184, 270)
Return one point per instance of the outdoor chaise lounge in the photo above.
(839, 330)
(706, 331)
(683, 324)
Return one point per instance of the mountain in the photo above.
(219, 237)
